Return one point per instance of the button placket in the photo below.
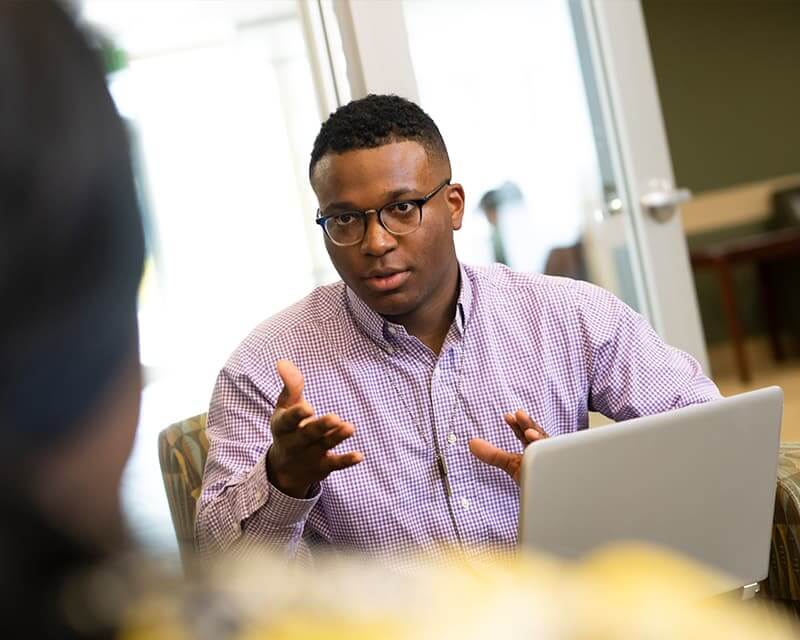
(444, 394)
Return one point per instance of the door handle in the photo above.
(662, 201)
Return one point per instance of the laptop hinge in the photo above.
(749, 591)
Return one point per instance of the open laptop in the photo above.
(700, 480)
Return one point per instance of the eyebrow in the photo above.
(391, 196)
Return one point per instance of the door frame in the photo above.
(626, 82)
(625, 68)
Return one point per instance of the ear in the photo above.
(455, 201)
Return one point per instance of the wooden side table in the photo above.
(761, 249)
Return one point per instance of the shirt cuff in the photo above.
(285, 510)
(257, 493)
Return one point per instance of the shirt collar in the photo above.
(381, 330)
(465, 297)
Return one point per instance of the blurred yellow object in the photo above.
(623, 593)
(309, 628)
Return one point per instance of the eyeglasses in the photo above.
(398, 218)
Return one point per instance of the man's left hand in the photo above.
(527, 432)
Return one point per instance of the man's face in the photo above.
(396, 276)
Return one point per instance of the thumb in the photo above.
(293, 384)
(489, 454)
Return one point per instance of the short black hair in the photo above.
(374, 121)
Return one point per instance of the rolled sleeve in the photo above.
(283, 510)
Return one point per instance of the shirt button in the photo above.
(391, 330)
(390, 350)
(465, 503)
(452, 438)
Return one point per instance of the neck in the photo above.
(431, 321)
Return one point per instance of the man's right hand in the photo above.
(300, 453)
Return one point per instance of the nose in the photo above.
(377, 240)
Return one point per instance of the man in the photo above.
(394, 388)
(71, 255)
(492, 203)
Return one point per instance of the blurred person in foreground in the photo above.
(71, 253)
(403, 396)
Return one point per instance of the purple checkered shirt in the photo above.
(554, 347)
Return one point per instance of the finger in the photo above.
(334, 462)
(314, 427)
(511, 421)
(293, 384)
(336, 436)
(531, 435)
(489, 454)
(526, 422)
(288, 420)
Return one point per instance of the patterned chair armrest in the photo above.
(182, 451)
(783, 582)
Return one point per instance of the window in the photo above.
(222, 109)
(505, 84)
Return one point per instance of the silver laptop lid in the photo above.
(700, 480)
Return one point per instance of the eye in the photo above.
(401, 208)
(345, 219)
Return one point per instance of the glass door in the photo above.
(551, 115)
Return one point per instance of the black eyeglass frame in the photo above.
(321, 220)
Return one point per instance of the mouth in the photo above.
(383, 280)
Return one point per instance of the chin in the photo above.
(390, 304)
